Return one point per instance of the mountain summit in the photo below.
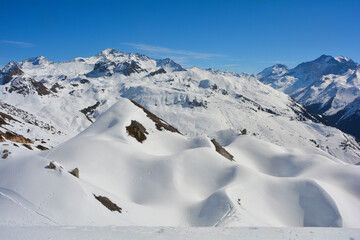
(327, 85)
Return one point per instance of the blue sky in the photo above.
(240, 36)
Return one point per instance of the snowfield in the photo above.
(97, 147)
(172, 180)
(160, 233)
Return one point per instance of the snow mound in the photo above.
(173, 180)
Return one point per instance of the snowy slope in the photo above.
(165, 233)
(168, 179)
(327, 85)
(69, 96)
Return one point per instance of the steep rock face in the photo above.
(9, 71)
(109, 68)
(28, 86)
(327, 85)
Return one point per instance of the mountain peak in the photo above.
(108, 51)
(342, 59)
(277, 69)
(279, 65)
(168, 63)
(324, 58)
(38, 60)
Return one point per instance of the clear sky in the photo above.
(239, 36)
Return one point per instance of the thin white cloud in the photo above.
(231, 65)
(184, 54)
(18, 43)
(276, 62)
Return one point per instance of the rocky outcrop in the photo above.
(160, 71)
(12, 71)
(137, 131)
(75, 172)
(56, 87)
(109, 68)
(159, 123)
(221, 150)
(14, 137)
(28, 86)
(90, 110)
(108, 203)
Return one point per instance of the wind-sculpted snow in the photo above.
(173, 180)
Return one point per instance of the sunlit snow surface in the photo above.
(174, 180)
(166, 233)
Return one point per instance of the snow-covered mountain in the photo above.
(69, 96)
(328, 85)
(193, 147)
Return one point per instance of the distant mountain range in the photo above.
(327, 85)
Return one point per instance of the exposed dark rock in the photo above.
(100, 67)
(52, 165)
(41, 147)
(83, 81)
(14, 71)
(5, 153)
(108, 203)
(196, 103)
(40, 88)
(75, 172)
(108, 68)
(27, 86)
(136, 130)
(160, 71)
(74, 84)
(56, 87)
(90, 110)
(133, 67)
(314, 142)
(159, 123)
(27, 146)
(244, 131)
(4, 117)
(224, 92)
(222, 150)
(11, 136)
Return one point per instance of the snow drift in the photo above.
(169, 179)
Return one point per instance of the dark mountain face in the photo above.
(9, 73)
(324, 65)
(109, 68)
(167, 62)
